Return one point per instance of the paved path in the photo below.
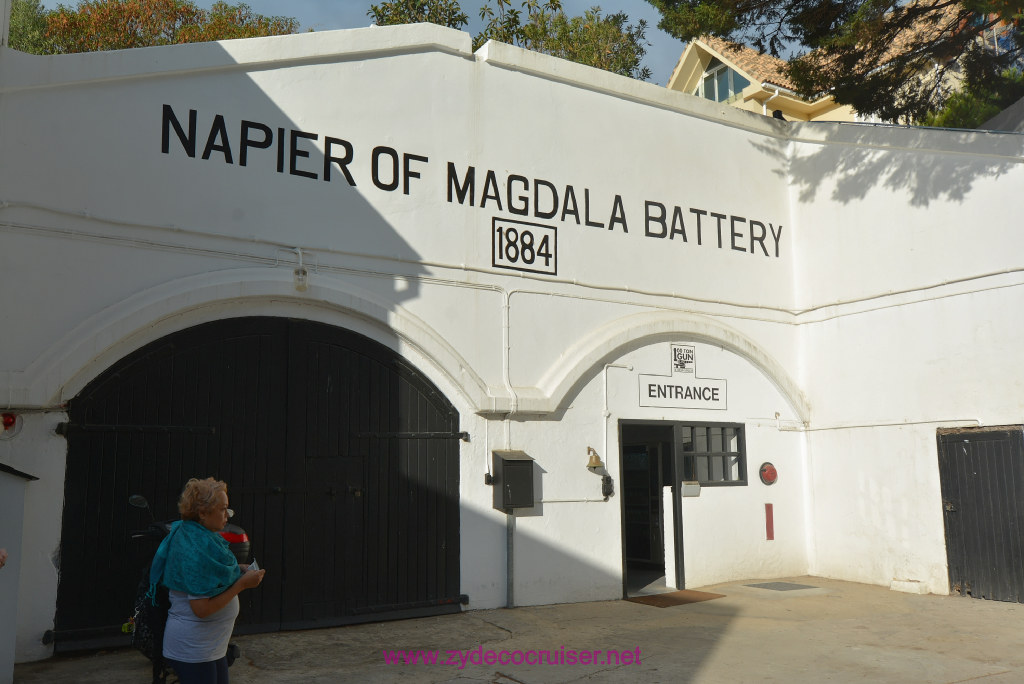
(833, 632)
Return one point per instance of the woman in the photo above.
(204, 580)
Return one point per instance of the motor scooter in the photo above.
(238, 540)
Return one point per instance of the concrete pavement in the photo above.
(830, 632)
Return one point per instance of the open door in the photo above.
(646, 470)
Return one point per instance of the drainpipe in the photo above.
(764, 105)
(607, 414)
(510, 516)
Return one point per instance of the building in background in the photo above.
(737, 75)
(742, 77)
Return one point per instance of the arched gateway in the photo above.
(342, 464)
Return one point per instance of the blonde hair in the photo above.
(199, 496)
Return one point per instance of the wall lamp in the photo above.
(595, 465)
(301, 275)
(10, 425)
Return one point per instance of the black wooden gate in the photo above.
(341, 462)
(981, 473)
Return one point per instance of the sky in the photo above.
(325, 15)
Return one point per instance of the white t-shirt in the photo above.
(190, 639)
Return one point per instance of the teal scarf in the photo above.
(194, 560)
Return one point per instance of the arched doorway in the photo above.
(342, 464)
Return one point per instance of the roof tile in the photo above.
(762, 68)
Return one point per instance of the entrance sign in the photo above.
(682, 388)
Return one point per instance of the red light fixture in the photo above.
(10, 425)
(769, 475)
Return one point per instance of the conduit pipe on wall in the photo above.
(449, 282)
(952, 422)
(133, 241)
(274, 261)
(506, 362)
(510, 533)
(608, 413)
(506, 346)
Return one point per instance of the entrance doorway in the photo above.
(647, 468)
(657, 455)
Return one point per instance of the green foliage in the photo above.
(885, 57)
(506, 25)
(225, 21)
(28, 27)
(121, 24)
(441, 12)
(608, 42)
(976, 104)
(604, 42)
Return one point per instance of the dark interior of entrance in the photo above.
(646, 470)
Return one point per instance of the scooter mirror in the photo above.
(138, 501)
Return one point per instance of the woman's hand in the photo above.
(250, 580)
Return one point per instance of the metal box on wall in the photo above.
(512, 473)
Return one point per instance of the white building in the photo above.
(338, 270)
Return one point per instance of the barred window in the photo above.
(713, 453)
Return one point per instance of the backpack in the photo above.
(147, 624)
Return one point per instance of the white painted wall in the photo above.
(113, 128)
(12, 515)
(906, 238)
(724, 533)
(38, 451)
(570, 549)
(882, 315)
(669, 536)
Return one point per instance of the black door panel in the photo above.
(306, 424)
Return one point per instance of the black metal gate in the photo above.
(981, 473)
(341, 462)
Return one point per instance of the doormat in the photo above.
(674, 598)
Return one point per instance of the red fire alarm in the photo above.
(769, 475)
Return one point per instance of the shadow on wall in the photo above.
(925, 164)
(308, 184)
(253, 157)
(255, 153)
